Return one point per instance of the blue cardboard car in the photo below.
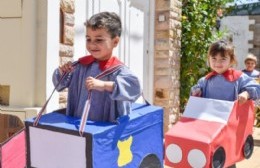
(135, 141)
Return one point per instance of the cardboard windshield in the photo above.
(208, 109)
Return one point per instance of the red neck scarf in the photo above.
(230, 75)
(103, 65)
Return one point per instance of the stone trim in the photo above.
(167, 59)
(256, 40)
(67, 39)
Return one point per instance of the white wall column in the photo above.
(79, 38)
(17, 51)
(53, 43)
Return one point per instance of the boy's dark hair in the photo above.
(224, 48)
(106, 20)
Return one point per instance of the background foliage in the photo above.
(198, 32)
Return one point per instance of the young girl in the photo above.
(224, 82)
(111, 95)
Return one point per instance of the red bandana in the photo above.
(230, 75)
(103, 65)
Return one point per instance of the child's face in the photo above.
(100, 44)
(219, 64)
(250, 65)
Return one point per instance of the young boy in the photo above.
(111, 95)
(250, 63)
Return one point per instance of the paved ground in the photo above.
(254, 161)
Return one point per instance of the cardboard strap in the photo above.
(36, 121)
(85, 113)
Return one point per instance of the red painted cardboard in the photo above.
(208, 125)
(12, 142)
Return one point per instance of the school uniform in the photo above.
(253, 74)
(227, 86)
(105, 106)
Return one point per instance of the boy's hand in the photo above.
(196, 92)
(92, 83)
(243, 97)
(67, 67)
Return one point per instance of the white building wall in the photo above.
(17, 50)
(80, 35)
(238, 28)
(29, 49)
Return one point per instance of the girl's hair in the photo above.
(106, 20)
(225, 49)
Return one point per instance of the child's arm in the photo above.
(67, 67)
(250, 86)
(96, 84)
(196, 90)
(243, 97)
(126, 86)
(123, 85)
(56, 77)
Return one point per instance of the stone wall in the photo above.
(255, 42)
(245, 33)
(66, 39)
(167, 59)
(237, 29)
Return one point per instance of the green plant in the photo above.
(198, 32)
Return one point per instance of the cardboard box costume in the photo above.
(12, 142)
(55, 141)
(211, 133)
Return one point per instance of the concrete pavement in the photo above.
(254, 161)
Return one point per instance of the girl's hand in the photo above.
(243, 97)
(67, 67)
(196, 92)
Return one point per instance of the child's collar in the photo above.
(230, 75)
(103, 65)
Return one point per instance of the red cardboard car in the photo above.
(211, 133)
(12, 142)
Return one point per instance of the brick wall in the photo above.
(167, 58)
(66, 39)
